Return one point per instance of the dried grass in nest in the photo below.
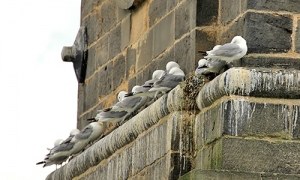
(191, 87)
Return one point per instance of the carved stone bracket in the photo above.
(77, 54)
(127, 4)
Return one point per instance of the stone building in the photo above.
(244, 124)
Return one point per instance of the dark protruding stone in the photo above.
(77, 54)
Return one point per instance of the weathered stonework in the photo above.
(244, 124)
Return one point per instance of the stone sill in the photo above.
(235, 81)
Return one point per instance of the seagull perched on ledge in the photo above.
(168, 81)
(228, 52)
(61, 152)
(210, 66)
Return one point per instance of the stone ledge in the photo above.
(122, 136)
(235, 175)
(118, 138)
(258, 82)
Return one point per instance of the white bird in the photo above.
(144, 89)
(171, 64)
(56, 143)
(168, 81)
(210, 66)
(87, 135)
(234, 50)
(61, 152)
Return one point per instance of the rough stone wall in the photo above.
(126, 46)
(244, 124)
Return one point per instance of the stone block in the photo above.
(101, 52)
(274, 5)
(235, 175)
(147, 72)
(182, 131)
(272, 176)
(220, 175)
(163, 40)
(131, 83)
(172, 4)
(90, 69)
(162, 60)
(185, 18)
(99, 85)
(270, 62)
(114, 42)
(118, 71)
(296, 122)
(139, 78)
(229, 10)
(159, 170)
(267, 33)
(157, 9)
(171, 166)
(245, 118)
(87, 6)
(122, 14)
(185, 53)
(144, 51)
(180, 165)
(149, 148)
(254, 155)
(130, 62)
(207, 12)
(106, 17)
(208, 126)
(125, 32)
(251, 155)
(209, 157)
(253, 27)
(297, 39)
(82, 121)
(242, 118)
(205, 40)
(92, 27)
(120, 164)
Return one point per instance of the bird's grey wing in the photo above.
(68, 139)
(169, 81)
(62, 147)
(112, 114)
(84, 133)
(227, 50)
(130, 102)
(149, 83)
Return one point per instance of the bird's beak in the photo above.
(101, 123)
